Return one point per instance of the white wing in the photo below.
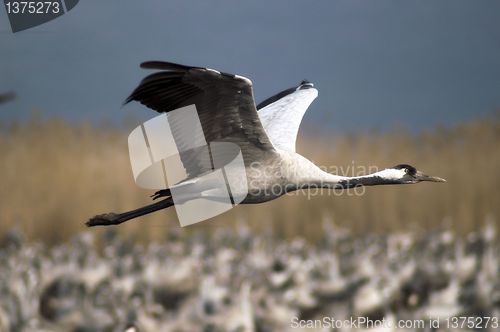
(281, 118)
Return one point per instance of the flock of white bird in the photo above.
(240, 281)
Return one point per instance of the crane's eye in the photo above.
(406, 170)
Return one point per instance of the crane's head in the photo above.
(407, 174)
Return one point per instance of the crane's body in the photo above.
(279, 173)
(266, 135)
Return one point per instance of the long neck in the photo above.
(332, 181)
(305, 174)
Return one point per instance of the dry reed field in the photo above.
(56, 175)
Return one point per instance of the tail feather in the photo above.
(118, 218)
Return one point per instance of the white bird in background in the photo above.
(265, 133)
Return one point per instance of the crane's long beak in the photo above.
(424, 177)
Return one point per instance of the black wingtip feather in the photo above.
(276, 97)
(163, 65)
(163, 88)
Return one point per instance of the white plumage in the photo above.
(281, 119)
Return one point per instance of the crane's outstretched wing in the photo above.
(282, 113)
(224, 102)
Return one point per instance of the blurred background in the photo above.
(415, 82)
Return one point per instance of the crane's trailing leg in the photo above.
(108, 219)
